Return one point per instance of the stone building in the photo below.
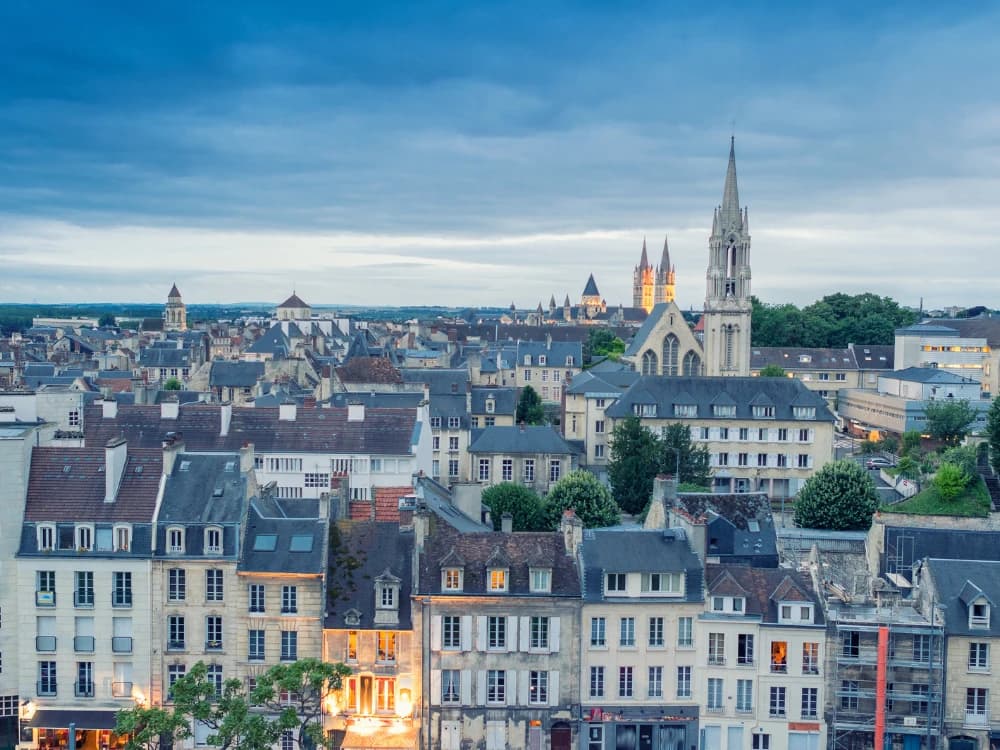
(175, 313)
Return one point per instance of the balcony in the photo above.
(777, 713)
(255, 656)
(45, 598)
(46, 687)
(213, 645)
(974, 719)
(83, 689)
(810, 668)
(83, 643)
(83, 598)
(45, 643)
(121, 599)
(779, 667)
(716, 661)
(121, 689)
(121, 644)
(744, 661)
(175, 645)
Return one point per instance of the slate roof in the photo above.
(437, 499)
(765, 588)
(908, 545)
(634, 550)
(590, 290)
(441, 381)
(273, 342)
(950, 579)
(224, 374)
(927, 329)
(654, 317)
(875, 356)
(380, 547)
(929, 375)
(520, 550)
(526, 439)
(164, 357)
(609, 382)
(173, 292)
(378, 399)
(789, 358)
(269, 517)
(294, 302)
(664, 392)
(383, 431)
(982, 326)
(369, 370)
(555, 353)
(504, 399)
(67, 484)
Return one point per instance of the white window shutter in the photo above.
(436, 633)
(523, 687)
(554, 687)
(554, 635)
(465, 687)
(466, 633)
(812, 435)
(525, 633)
(512, 633)
(481, 687)
(511, 687)
(481, 633)
(435, 687)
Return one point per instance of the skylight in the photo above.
(300, 543)
(265, 542)
(185, 465)
(754, 525)
(230, 466)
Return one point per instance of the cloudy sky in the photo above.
(477, 153)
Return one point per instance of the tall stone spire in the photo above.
(665, 258)
(644, 261)
(731, 215)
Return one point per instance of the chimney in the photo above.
(170, 408)
(115, 458)
(468, 498)
(246, 458)
(507, 523)
(139, 391)
(572, 530)
(286, 412)
(172, 448)
(407, 507)
(521, 425)
(421, 526)
(225, 417)
(355, 412)
(548, 341)
(324, 505)
(109, 409)
(468, 397)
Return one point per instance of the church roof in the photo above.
(591, 289)
(174, 292)
(294, 302)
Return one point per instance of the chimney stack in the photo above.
(115, 458)
(109, 409)
(572, 530)
(246, 458)
(286, 411)
(225, 417)
(355, 412)
(170, 408)
(507, 523)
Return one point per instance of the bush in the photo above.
(524, 506)
(950, 481)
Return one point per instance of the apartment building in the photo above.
(584, 418)
(535, 455)
(547, 366)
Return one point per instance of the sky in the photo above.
(457, 153)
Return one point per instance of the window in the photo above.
(779, 657)
(452, 468)
(921, 648)
(761, 741)
(976, 701)
(46, 538)
(655, 682)
(213, 633)
(85, 537)
(597, 632)
(850, 645)
(255, 647)
(175, 632)
(498, 579)
(923, 691)
(121, 596)
(803, 436)
(539, 633)
(804, 412)
(83, 596)
(661, 583)
(289, 645)
(743, 459)
(256, 597)
(436, 442)
(214, 676)
(174, 673)
(529, 469)
(288, 740)
(507, 470)
(352, 645)
(436, 425)
(496, 686)
(555, 470)
(527, 375)
(763, 412)
(714, 698)
(979, 657)
(810, 702)
(213, 585)
(451, 632)
(484, 470)
(289, 600)
(314, 479)
(175, 540)
(849, 695)
(123, 538)
(599, 450)
(782, 434)
(703, 433)
(744, 696)
(762, 459)
(803, 460)
(624, 682)
(979, 615)
(435, 468)
(723, 459)
(777, 702)
(541, 580)
(213, 541)
(683, 682)
(685, 632)
(451, 686)
(599, 426)
(615, 582)
(386, 646)
(597, 682)
(655, 631)
(626, 631)
(744, 649)
(724, 410)
(782, 460)
(451, 579)
(717, 648)
(387, 596)
(453, 443)
(45, 591)
(538, 687)
(810, 658)
(496, 633)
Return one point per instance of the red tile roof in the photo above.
(67, 484)
(387, 502)
(361, 510)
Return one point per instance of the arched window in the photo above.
(730, 333)
(692, 364)
(670, 354)
(649, 363)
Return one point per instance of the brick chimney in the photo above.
(572, 530)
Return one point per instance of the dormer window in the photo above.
(685, 410)
(542, 360)
(387, 597)
(728, 604)
(85, 538)
(452, 579)
(497, 579)
(718, 604)
(644, 410)
(541, 580)
(728, 410)
(804, 412)
(175, 540)
(527, 359)
(763, 412)
(661, 583)
(490, 406)
(569, 361)
(46, 538)
(795, 613)
(123, 538)
(213, 541)
(614, 582)
(979, 615)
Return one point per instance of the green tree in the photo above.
(911, 443)
(106, 319)
(676, 450)
(632, 464)
(773, 371)
(964, 457)
(529, 407)
(840, 496)
(296, 693)
(584, 493)
(172, 384)
(888, 444)
(601, 342)
(949, 421)
(523, 505)
(993, 433)
(908, 468)
(950, 481)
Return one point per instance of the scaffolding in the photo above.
(909, 672)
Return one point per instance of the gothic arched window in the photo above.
(730, 333)
(692, 364)
(670, 354)
(649, 363)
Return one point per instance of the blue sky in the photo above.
(459, 153)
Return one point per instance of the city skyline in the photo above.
(477, 156)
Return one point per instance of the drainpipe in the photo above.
(883, 657)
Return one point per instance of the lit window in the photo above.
(498, 579)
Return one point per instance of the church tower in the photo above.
(175, 314)
(665, 278)
(643, 282)
(727, 298)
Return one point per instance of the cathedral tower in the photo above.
(175, 314)
(665, 278)
(643, 282)
(727, 297)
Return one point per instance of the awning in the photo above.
(383, 737)
(60, 719)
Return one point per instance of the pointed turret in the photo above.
(715, 221)
(644, 260)
(591, 289)
(665, 258)
(731, 215)
(552, 302)
(173, 292)
(566, 302)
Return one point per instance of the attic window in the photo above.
(763, 412)
(265, 542)
(230, 466)
(805, 358)
(754, 525)
(490, 405)
(451, 579)
(138, 469)
(724, 411)
(387, 595)
(46, 538)
(569, 361)
(175, 540)
(644, 410)
(541, 580)
(84, 537)
(979, 615)
(213, 541)
(542, 360)
(185, 465)
(497, 579)
(301, 543)
(685, 410)
(804, 412)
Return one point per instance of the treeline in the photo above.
(834, 321)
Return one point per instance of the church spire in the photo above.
(665, 258)
(731, 215)
(644, 261)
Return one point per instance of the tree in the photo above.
(908, 468)
(632, 464)
(948, 421)
(677, 451)
(584, 493)
(172, 384)
(911, 443)
(296, 692)
(964, 457)
(529, 407)
(524, 505)
(993, 433)
(601, 342)
(773, 371)
(950, 481)
(840, 496)
(106, 319)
